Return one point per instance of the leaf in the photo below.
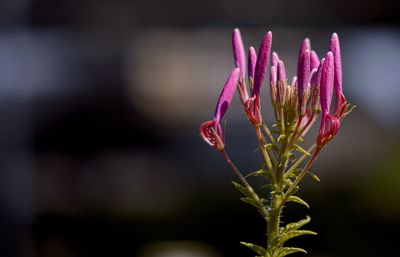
(241, 189)
(256, 248)
(296, 225)
(289, 250)
(301, 149)
(250, 201)
(298, 200)
(281, 137)
(269, 146)
(313, 176)
(295, 233)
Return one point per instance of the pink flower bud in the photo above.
(262, 62)
(211, 131)
(227, 94)
(326, 85)
(274, 59)
(306, 45)
(314, 60)
(303, 74)
(238, 52)
(281, 71)
(341, 102)
(252, 62)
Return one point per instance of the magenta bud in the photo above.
(227, 94)
(252, 61)
(303, 73)
(315, 81)
(306, 45)
(238, 53)
(294, 82)
(281, 71)
(262, 62)
(313, 75)
(335, 49)
(274, 59)
(326, 86)
(314, 60)
(273, 76)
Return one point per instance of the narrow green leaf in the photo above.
(313, 176)
(268, 146)
(289, 250)
(301, 149)
(295, 233)
(296, 225)
(256, 248)
(250, 201)
(256, 173)
(281, 137)
(298, 200)
(241, 189)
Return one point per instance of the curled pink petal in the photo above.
(326, 85)
(314, 60)
(238, 52)
(227, 94)
(262, 62)
(211, 133)
(252, 61)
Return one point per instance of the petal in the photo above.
(281, 71)
(227, 94)
(327, 78)
(238, 52)
(314, 60)
(252, 61)
(262, 62)
(335, 49)
(274, 59)
(273, 76)
(304, 46)
(303, 73)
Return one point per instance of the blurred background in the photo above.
(100, 103)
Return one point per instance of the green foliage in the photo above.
(296, 225)
(301, 149)
(289, 250)
(256, 248)
(298, 200)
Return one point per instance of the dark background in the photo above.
(100, 103)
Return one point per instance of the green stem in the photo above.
(261, 142)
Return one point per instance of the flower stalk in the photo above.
(296, 107)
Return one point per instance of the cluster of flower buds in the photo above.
(297, 104)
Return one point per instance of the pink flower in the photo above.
(252, 106)
(240, 62)
(341, 102)
(211, 131)
(330, 124)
